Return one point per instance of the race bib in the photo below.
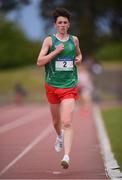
(64, 65)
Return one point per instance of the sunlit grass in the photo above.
(113, 123)
(31, 79)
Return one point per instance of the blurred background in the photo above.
(98, 25)
(25, 23)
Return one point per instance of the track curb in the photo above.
(111, 166)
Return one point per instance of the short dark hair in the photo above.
(61, 12)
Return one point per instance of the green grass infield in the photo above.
(113, 123)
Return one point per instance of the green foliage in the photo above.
(15, 49)
(85, 16)
(8, 5)
(110, 52)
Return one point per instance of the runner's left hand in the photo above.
(77, 61)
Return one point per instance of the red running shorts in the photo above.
(55, 95)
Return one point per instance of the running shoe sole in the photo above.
(64, 164)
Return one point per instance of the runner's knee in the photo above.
(67, 124)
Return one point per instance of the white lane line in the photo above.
(39, 138)
(110, 162)
(20, 121)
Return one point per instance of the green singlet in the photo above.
(61, 71)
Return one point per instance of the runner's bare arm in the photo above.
(78, 57)
(43, 57)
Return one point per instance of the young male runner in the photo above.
(60, 53)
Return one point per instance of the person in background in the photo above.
(20, 94)
(85, 88)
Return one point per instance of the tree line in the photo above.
(97, 23)
(15, 49)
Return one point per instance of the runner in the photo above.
(85, 88)
(60, 53)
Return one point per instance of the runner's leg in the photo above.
(67, 108)
(55, 112)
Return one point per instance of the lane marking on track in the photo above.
(111, 165)
(20, 121)
(56, 172)
(39, 138)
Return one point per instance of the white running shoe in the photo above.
(65, 161)
(59, 141)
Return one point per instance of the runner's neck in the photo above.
(62, 37)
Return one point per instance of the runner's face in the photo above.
(62, 25)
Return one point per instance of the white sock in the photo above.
(66, 156)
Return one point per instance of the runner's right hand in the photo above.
(60, 47)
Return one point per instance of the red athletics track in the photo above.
(27, 146)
